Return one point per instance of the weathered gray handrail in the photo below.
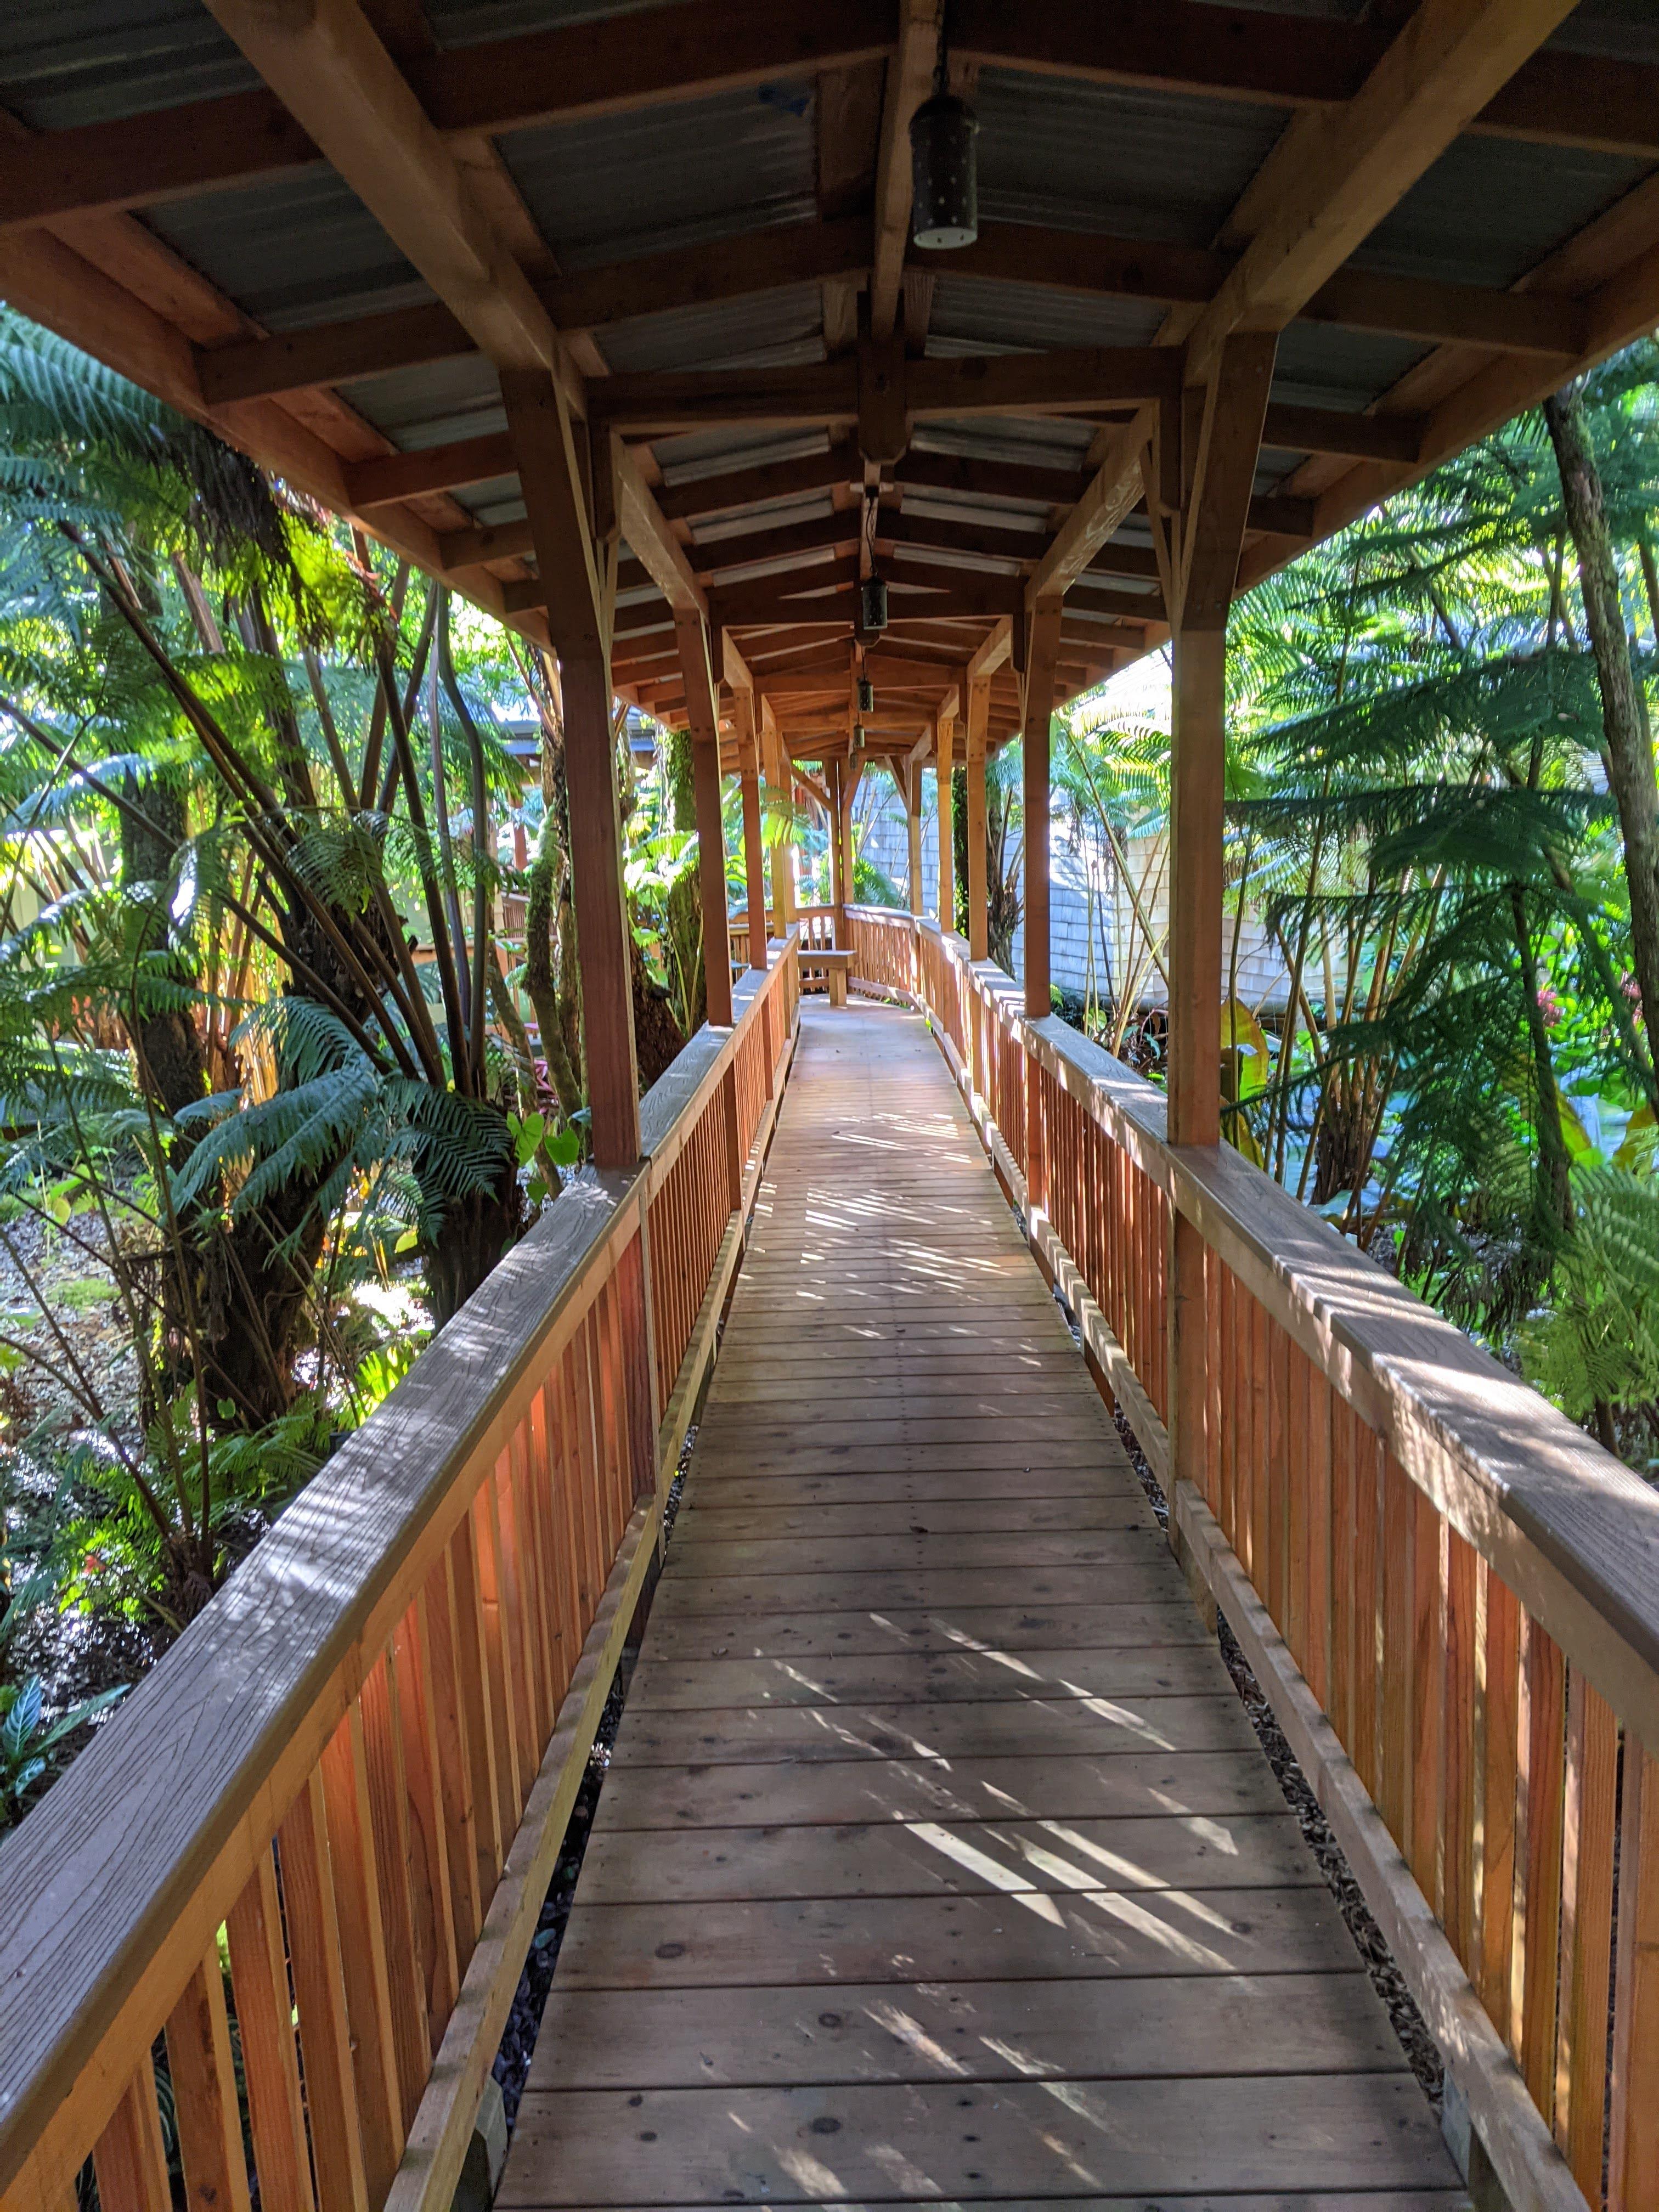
(376, 1688)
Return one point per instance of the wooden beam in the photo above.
(909, 75)
(656, 403)
(333, 74)
(646, 528)
(395, 477)
(539, 427)
(704, 719)
(1227, 442)
(712, 495)
(1331, 430)
(990, 656)
(1042, 651)
(1331, 178)
(979, 711)
(945, 734)
(754, 851)
(1073, 379)
(1114, 489)
(1356, 299)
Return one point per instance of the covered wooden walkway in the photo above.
(938, 1860)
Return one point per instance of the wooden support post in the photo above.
(1041, 657)
(979, 918)
(945, 737)
(539, 425)
(704, 721)
(783, 787)
(754, 851)
(832, 769)
(1224, 421)
(847, 791)
(909, 776)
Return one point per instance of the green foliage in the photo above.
(1597, 1343)
(31, 1745)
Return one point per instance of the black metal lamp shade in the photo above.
(944, 172)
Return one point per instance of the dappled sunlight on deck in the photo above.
(936, 1860)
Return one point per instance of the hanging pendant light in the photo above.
(872, 606)
(944, 173)
(944, 166)
(866, 695)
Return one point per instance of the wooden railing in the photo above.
(1450, 1593)
(325, 1823)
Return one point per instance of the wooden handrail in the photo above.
(399, 1689)
(1449, 1592)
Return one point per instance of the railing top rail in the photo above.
(157, 1826)
(1573, 1530)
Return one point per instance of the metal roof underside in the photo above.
(297, 251)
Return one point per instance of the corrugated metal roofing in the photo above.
(419, 407)
(1624, 30)
(297, 250)
(974, 315)
(469, 22)
(1320, 366)
(764, 329)
(1490, 209)
(1112, 159)
(67, 61)
(607, 187)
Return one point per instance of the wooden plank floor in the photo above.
(936, 1860)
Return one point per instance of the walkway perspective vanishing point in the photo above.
(937, 1859)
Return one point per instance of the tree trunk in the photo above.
(1628, 752)
(474, 1233)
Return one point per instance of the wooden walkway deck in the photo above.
(936, 1860)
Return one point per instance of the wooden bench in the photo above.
(825, 967)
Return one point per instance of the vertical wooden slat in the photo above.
(205, 2113)
(1343, 1573)
(363, 1952)
(430, 1879)
(1501, 1688)
(1317, 1492)
(1228, 1513)
(1587, 1860)
(1429, 1534)
(1299, 1562)
(129, 2159)
(1461, 1738)
(513, 1597)
(465, 1800)
(388, 1810)
(1261, 1505)
(265, 2028)
(1399, 1552)
(519, 1496)
(1369, 1462)
(498, 1671)
(1538, 1860)
(319, 1997)
(1633, 2133)
(1212, 1411)
(1279, 1475)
